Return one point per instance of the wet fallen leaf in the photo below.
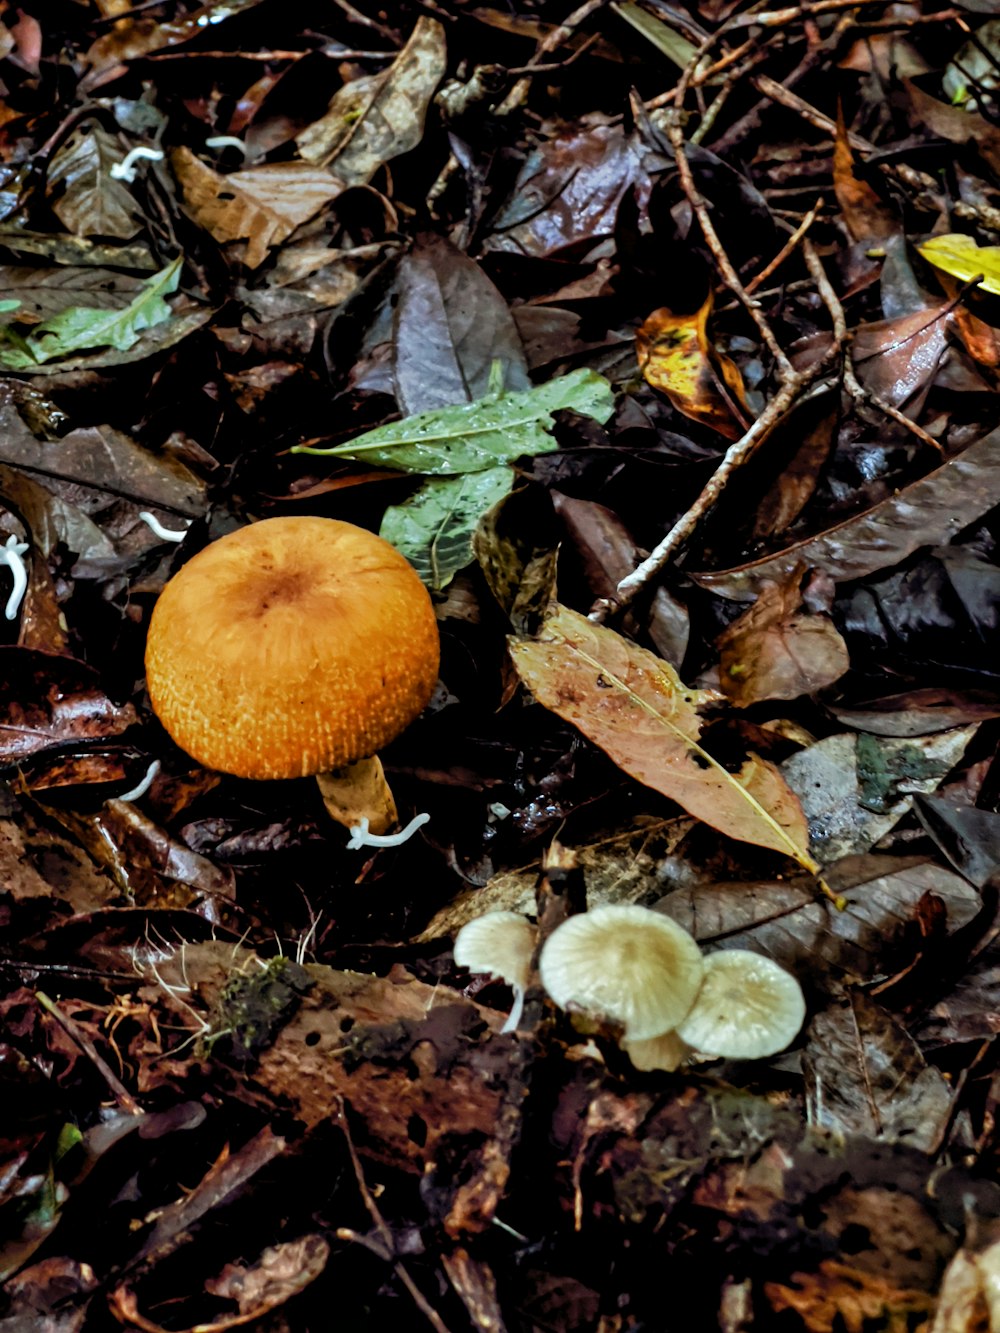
(864, 1074)
(897, 358)
(47, 700)
(778, 649)
(84, 195)
(451, 326)
(260, 205)
(676, 355)
(868, 218)
(854, 789)
(377, 117)
(786, 922)
(634, 706)
(927, 512)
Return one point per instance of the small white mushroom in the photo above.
(748, 1007)
(125, 169)
(501, 945)
(629, 964)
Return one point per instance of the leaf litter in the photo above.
(663, 342)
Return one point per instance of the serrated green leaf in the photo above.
(961, 257)
(472, 437)
(434, 527)
(80, 328)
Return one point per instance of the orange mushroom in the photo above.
(295, 647)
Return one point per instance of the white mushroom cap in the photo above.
(748, 1007)
(629, 964)
(667, 1051)
(499, 944)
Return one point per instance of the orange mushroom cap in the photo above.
(291, 647)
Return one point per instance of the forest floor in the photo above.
(663, 339)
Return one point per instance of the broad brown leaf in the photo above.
(778, 650)
(636, 708)
(926, 513)
(840, 1299)
(379, 116)
(676, 355)
(867, 217)
(261, 205)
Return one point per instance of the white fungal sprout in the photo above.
(10, 555)
(164, 534)
(134, 793)
(125, 169)
(226, 141)
(360, 837)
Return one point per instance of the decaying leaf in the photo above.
(867, 217)
(855, 788)
(676, 355)
(85, 197)
(928, 512)
(864, 1074)
(633, 705)
(379, 116)
(260, 205)
(969, 1300)
(779, 650)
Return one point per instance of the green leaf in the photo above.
(80, 328)
(472, 437)
(961, 257)
(434, 528)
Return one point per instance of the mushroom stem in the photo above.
(359, 791)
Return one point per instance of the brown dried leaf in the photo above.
(676, 356)
(928, 512)
(778, 650)
(378, 117)
(787, 922)
(635, 707)
(280, 1273)
(867, 217)
(261, 205)
(47, 700)
(864, 1074)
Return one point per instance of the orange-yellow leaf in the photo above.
(867, 217)
(635, 707)
(676, 356)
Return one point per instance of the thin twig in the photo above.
(777, 18)
(778, 92)
(551, 42)
(786, 249)
(729, 275)
(709, 72)
(862, 397)
(76, 1034)
(385, 1234)
(736, 455)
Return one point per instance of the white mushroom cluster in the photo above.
(645, 973)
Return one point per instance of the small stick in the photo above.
(862, 396)
(385, 1235)
(76, 1034)
(518, 94)
(729, 275)
(786, 249)
(777, 18)
(777, 92)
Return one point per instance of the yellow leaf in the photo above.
(964, 259)
(635, 707)
(676, 356)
